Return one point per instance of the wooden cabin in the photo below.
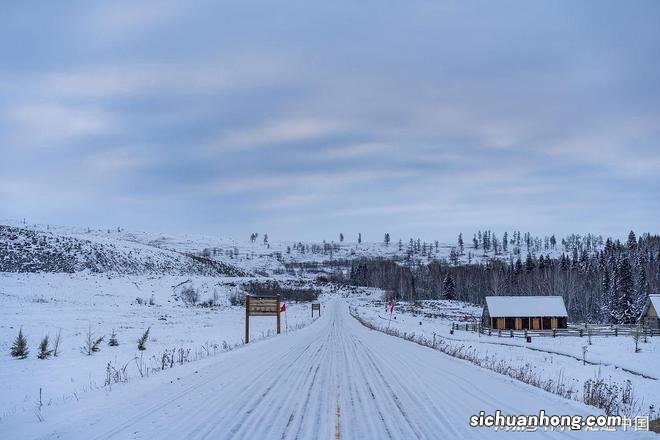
(649, 317)
(524, 313)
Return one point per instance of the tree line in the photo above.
(601, 282)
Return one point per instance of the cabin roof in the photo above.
(518, 306)
(653, 300)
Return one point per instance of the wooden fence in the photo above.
(572, 330)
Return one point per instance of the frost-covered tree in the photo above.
(359, 237)
(387, 239)
(625, 311)
(529, 263)
(632, 241)
(341, 237)
(460, 243)
(44, 350)
(449, 288)
(19, 348)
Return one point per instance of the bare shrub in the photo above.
(611, 397)
(237, 299)
(189, 295)
(56, 343)
(115, 374)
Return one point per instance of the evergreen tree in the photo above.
(606, 294)
(475, 242)
(460, 243)
(142, 342)
(632, 241)
(519, 266)
(341, 237)
(505, 240)
(387, 239)
(20, 349)
(625, 313)
(449, 288)
(529, 263)
(113, 342)
(359, 237)
(44, 350)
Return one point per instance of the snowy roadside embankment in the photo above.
(553, 372)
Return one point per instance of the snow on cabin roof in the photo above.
(655, 300)
(516, 306)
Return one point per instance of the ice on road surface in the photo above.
(333, 379)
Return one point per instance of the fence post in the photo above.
(580, 332)
(554, 332)
(466, 327)
(616, 331)
(433, 339)
(511, 333)
(499, 333)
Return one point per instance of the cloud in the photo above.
(245, 113)
(124, 81)
(355, 150)
(120, 19)
(49, 124)
(319, 180)
(279, 132)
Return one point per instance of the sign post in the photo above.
(316, 306)
(261, 306)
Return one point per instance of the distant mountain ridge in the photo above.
(25, 250)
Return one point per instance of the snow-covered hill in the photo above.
(28, 250)
(136, 252)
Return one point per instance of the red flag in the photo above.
(391, 307)
(283, 308)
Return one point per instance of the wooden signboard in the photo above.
(316, 306)
(261, 306)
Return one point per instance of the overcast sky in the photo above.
(305, 119)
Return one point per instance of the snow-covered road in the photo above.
(333, 379)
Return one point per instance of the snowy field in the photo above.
(558, 359)
(43, 304)
(332, 379)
